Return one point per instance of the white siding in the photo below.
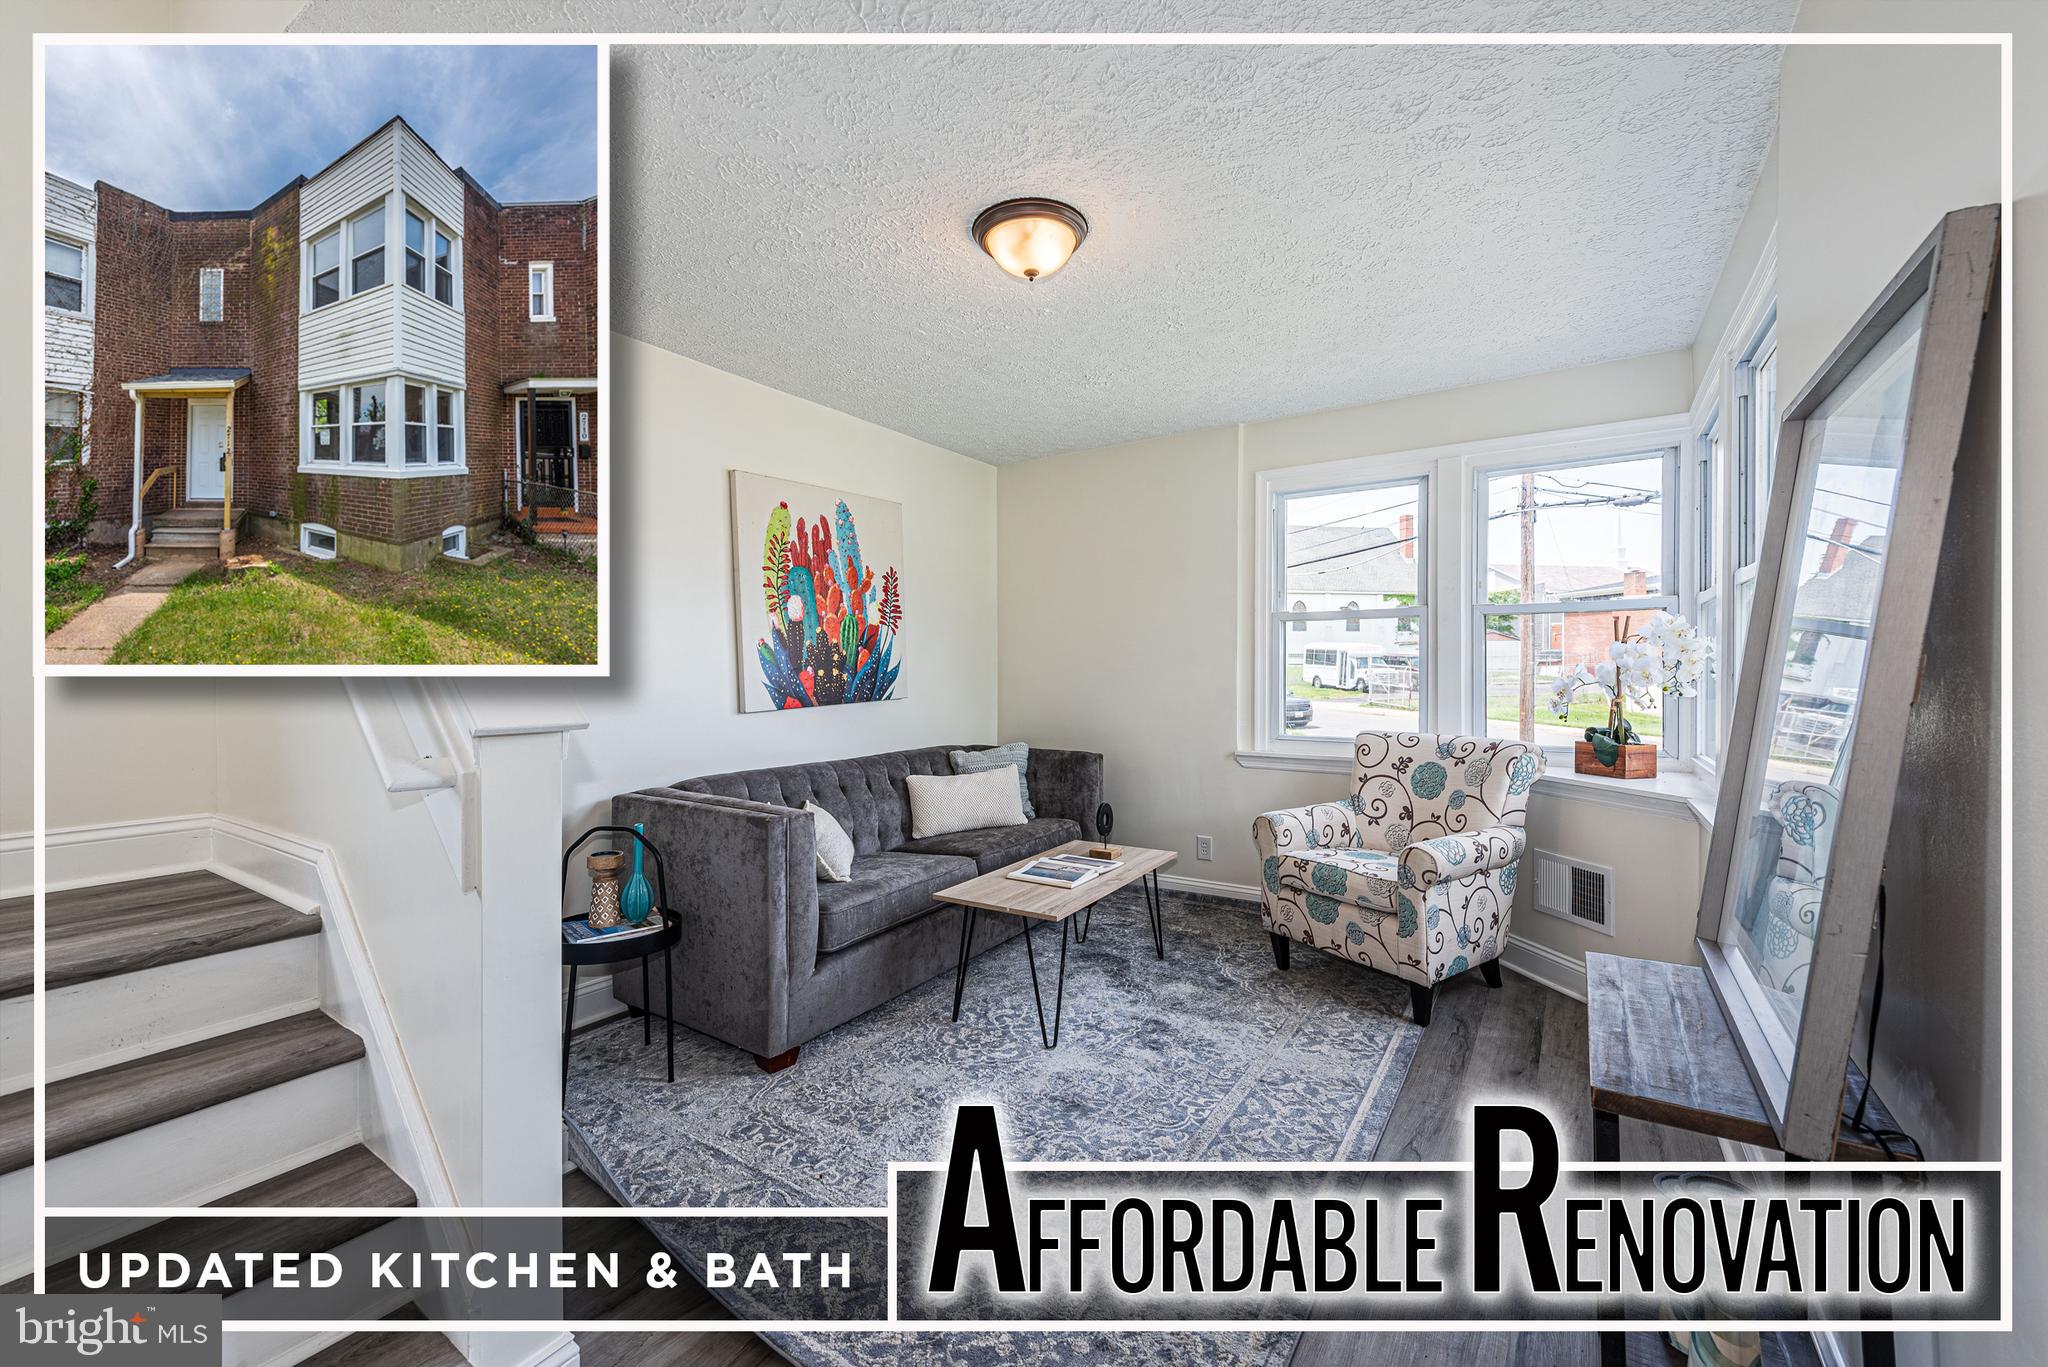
(430, 340)
(424, 178)
(392, 329)
(349, 184)
(354, 339)
(71, 211)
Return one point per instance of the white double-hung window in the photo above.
(1345, 613)
(540, 291)
(395, 426)
(430, 254)
(1568, 554)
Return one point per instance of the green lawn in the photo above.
(534, 607)
(1589, 709)
(66, 589)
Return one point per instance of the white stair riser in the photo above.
(112, 1020)
(363, 1303)
(196, 1158)
(17, 1223)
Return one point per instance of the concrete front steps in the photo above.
(190, 531)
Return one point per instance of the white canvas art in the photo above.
(817, 573)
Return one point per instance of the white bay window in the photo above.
(394, 426)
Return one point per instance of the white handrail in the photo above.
(417, 737)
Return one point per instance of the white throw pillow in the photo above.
(943, 803)
(835, 846)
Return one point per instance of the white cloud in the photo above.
(223, 126)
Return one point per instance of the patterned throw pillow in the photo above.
(835, 846)
(943, 803)
(1016, 753)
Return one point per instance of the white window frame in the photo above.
(433, 228)
(1671, 745)
(219, 277)
(1725, 395)
(547, 272)
(461, 535)
(1451, 583)
(339, 426)
(84, 249)
(1274, 621)
(344, 230)
(394, 465)
(81, 398)
(307, 530)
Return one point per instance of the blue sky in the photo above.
(223, 127)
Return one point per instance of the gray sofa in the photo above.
(770, 957)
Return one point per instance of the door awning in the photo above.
(191, 379)
(547, 385)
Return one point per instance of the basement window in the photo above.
(455, 543)
(317, 541)
(211, 289)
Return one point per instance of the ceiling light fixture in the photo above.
(1030, 238)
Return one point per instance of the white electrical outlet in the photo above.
(1205, 847)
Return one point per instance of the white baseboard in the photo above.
(1208, 887)
(18, 864)
(122, 851)
(1539, 963)
(594, 1000)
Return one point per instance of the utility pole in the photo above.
(1526, 622)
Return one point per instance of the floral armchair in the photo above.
(1413, 874)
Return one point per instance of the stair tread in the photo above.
(114, 928)
(94, 1107)
(372, 1349)
(353, 1178)
(17, 945)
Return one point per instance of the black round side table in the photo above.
(596, 953)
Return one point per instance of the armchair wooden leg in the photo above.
(1280, 943)
(778, 1062)
(1420, 999)
(1490, 970)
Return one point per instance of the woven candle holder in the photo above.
(604, 866)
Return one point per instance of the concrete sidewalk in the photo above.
(90, 637)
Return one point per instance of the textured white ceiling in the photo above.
(1048, 16)
(1275, 230)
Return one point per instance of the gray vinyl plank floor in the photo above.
(1522, 1043)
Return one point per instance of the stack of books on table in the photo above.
(1064, 870)
(578, 931)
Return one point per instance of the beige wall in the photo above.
(1126, 619)
(671, 707)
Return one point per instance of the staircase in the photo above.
(190, 531)
(189, 1064)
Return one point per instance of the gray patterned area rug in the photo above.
(1212, 1055)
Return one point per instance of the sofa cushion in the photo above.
(941, 804)
(866, 795)
(991, 847)
(885, 890)
(1016, 754)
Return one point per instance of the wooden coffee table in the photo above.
(996, 891)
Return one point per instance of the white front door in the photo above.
(206, 446)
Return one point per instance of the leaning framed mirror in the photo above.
(1827, 676)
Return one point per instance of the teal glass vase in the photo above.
(637, 899)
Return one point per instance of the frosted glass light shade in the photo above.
(1030, 238)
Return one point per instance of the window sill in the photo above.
(334, 467)
(1306, 761)
(1681, 795)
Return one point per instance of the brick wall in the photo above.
(565, 234)
(147, 321)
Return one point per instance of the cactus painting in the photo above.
(820, 597)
